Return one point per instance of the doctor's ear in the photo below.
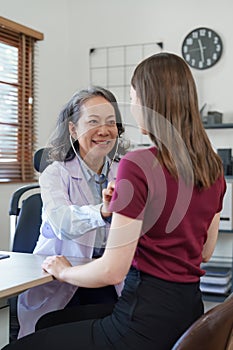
(72, 130)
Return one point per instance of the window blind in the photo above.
(17, 101)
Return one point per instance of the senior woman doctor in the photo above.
(74, 224)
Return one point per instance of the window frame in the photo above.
(16, 164)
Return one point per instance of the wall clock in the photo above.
(202, 48)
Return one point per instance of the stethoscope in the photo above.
(102, 178)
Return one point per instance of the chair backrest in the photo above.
(25, 211)
(25, 218)
(41, 159)
(212, 331)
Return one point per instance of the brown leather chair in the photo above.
(212, 331)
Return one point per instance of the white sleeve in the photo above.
(67, 220)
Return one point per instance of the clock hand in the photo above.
(197, 49)
(201, 50)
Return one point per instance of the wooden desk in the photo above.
(19, 272)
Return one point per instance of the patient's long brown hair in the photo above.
(165, 86)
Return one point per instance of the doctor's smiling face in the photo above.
(96, 129)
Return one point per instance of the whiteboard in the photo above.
(112, 67)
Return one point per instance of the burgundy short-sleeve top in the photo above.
(175, 217)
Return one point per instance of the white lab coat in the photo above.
(68, 228)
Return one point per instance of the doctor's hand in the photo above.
(107, 196)
(56, 265)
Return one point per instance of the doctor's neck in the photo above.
(94, 163)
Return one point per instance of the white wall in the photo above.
(72, 27)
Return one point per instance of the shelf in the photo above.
(225, 231)
(218, 126)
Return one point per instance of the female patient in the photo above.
(83, 149)
(166, 206)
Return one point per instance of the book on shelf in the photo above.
(215, 288)
(216, 279)
(217, 271)
(220, 280)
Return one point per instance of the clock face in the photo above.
(202, 48)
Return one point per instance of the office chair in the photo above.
(212, 331)
(25, 218)
(25, 210)
(25, 221)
